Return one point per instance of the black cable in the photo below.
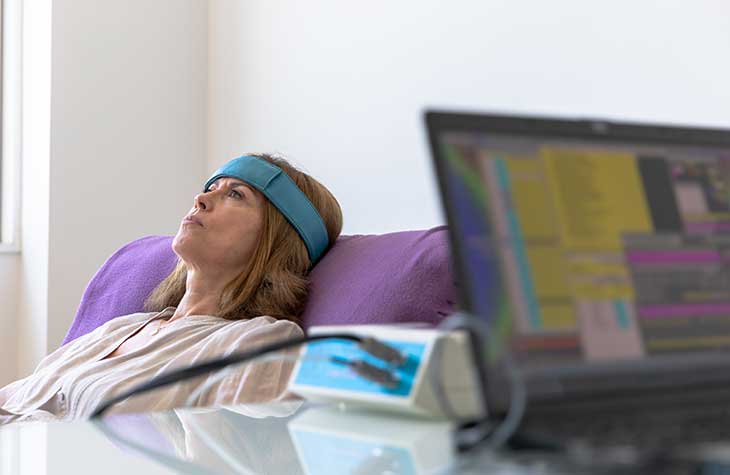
(489, 429)
(215, 364)
(469, 435)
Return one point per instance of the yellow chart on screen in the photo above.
(573, 206)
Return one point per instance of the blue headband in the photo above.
(283, 193)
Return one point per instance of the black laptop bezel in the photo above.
(595, 382)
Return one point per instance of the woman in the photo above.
(244, 251)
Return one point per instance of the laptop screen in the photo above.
(587, 243)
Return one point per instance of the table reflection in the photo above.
(237, 439)
(281, 438)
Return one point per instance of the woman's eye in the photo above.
(236, 194)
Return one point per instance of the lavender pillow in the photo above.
(386, 278)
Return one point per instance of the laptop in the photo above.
(598, 253)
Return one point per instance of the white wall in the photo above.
(340, 86)
(9, 270)
(113, 149)
(127, 132)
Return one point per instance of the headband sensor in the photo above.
(284, 194)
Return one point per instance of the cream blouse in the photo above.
(75, 379)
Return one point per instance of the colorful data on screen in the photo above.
(579, 251)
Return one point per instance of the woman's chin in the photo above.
(182, 243)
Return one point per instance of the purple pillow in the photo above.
(386, 278)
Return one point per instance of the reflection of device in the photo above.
(320, 378)
(597, 252)
(328, 441)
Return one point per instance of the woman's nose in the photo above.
(200, 201)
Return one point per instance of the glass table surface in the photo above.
(285, 438)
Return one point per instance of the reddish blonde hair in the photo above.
(275, 281)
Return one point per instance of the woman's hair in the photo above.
(275, 280)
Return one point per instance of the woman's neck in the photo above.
(202, 295)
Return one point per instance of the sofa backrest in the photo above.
(363, 279)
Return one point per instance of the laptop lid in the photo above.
(598, 252)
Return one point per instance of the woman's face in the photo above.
(221, 231)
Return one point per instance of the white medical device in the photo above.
(321, 373)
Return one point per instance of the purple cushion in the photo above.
(386, 278)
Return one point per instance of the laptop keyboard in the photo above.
(638, 429)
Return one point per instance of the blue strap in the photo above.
(283, 193)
